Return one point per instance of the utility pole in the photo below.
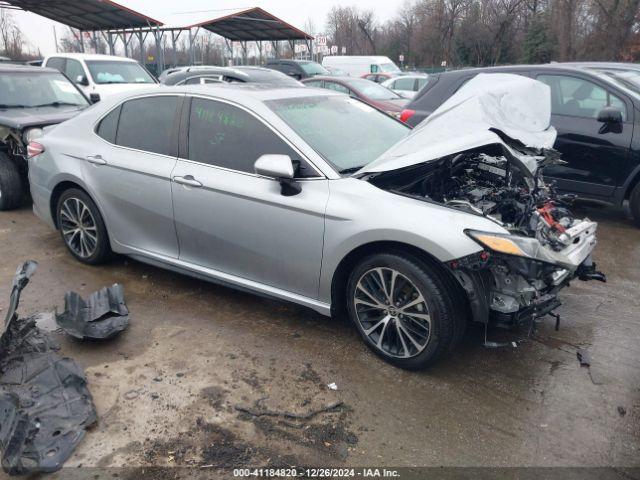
(55, 37)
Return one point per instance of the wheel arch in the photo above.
(635, 179)
(341, 274)
(62, 187)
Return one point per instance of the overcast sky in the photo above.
(39, 30)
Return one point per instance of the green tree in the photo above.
(539, 43)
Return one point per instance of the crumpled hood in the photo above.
(519, 107)
(19, 118)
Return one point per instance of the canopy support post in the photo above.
(230, 50)
(141, 41)
(244, 52)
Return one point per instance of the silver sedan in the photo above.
(267, 190)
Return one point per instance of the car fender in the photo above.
(359, 213)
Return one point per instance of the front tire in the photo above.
(634, 204)
(82, 228)
(11, 191)
(404, 309)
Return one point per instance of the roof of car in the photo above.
(14, 67)
(242, 72)
(239, 92)
(92, 56)
(567, 66)
(288, 60)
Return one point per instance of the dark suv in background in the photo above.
(31, 98)
(595, 109)
(298, 69)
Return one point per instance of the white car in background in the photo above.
(359, 66)
(99, 76)
(407, 85)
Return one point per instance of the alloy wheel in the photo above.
(78, 227)
(392, 312)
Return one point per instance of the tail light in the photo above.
(407, 114)
(34, 149)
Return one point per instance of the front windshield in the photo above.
(629, 79)
(371, 90)
(389, 68)
(313, 68)
(109, 71)
(346, 132)
(29, 89)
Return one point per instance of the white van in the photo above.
(99, 76)
(357, 66)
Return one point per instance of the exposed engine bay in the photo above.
(517, 275)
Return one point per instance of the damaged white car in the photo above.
(316, 198)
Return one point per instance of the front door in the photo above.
(231, 220)
(596, 153)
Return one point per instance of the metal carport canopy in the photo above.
(87, 15)
(251, 25)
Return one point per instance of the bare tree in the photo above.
(11, 40)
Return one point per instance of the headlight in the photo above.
(32, 134)
(513, 245)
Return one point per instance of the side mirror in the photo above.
(610, 115)
(94, 97)
(279, 167)
(82, 80)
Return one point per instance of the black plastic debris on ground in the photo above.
(45, 405)
(103, 315)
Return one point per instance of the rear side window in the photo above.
(108, 126)
(227, 136)
(147, 124)
(337, 87)
(56, 62)
(404, 84)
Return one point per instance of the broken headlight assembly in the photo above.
(516, 245)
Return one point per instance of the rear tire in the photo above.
(411, 325)
(634, 204)
(82, 228)
(11, 191)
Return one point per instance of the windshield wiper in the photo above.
(5, 105)
(350, 170)
(56, 104)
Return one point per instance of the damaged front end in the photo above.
(483, 152)
(517, 275)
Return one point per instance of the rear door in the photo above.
(596, 155)
(233, 221)
(128, 169)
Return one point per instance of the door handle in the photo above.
(188, 180)
(96, 160)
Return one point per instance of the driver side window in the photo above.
(577, 97)
(226, 136)
(74, 70)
